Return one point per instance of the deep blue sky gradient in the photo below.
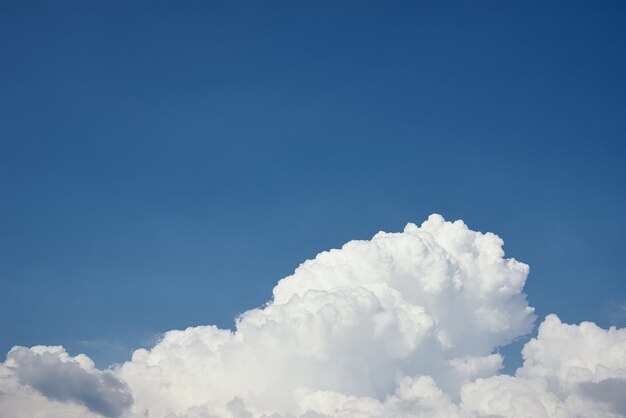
(163, 164)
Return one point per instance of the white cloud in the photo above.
(403, 325)
(569, 370)
(48, 376)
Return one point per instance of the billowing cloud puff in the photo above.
(568, 371)
(56, 376)
(403, 325)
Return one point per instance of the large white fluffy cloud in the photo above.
(403, 325)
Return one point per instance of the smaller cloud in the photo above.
(60, 377)
(568, 371)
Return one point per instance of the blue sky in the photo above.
(162, 165)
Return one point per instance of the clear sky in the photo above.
(163, 164)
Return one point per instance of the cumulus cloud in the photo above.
(59, 377)
(403, 325)
(568, 371)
